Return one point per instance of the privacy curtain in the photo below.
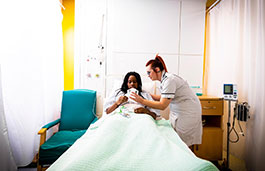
(32, 71)
(6, 159)
(236, 55)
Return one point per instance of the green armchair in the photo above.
(78, 111)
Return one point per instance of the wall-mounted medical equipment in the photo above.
(241, 113)
(230, 92)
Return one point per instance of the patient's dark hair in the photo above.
(124, 86)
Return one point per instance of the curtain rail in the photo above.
(213, 5)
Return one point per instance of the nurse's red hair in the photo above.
(157, 62)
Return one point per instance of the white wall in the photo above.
(137, 30)
(133, 32)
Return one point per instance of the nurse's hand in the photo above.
(136, 97)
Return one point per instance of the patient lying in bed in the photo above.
(131, 83)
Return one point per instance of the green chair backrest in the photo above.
(78, 109)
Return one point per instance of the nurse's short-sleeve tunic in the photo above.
(185, 108)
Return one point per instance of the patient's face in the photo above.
(132, 82)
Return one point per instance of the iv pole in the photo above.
(228, 129)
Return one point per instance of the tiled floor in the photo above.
(235, 164)
(30, 167)
(27, 169)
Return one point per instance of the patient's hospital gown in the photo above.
(117, 94)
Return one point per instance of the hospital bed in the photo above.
(124, 140)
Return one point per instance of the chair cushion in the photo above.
(55, 146)
(78, 109)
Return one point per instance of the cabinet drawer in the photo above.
(212, 107)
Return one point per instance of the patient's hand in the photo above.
(141, 110)
(122, 99)
(115, 105)
(146, 111)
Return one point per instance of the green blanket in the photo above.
(133, 142)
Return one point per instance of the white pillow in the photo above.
(113, 83)
(149, 87)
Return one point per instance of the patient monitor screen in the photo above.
(228, 89)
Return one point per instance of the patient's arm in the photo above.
(121, 100)
(146, 111)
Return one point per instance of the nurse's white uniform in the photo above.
(185, 108)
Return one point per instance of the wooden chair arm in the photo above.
(43, 130)
(42, 134)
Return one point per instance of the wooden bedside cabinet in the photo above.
(212, 138)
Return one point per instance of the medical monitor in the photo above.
(230, 92)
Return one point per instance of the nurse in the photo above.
(185, 108)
